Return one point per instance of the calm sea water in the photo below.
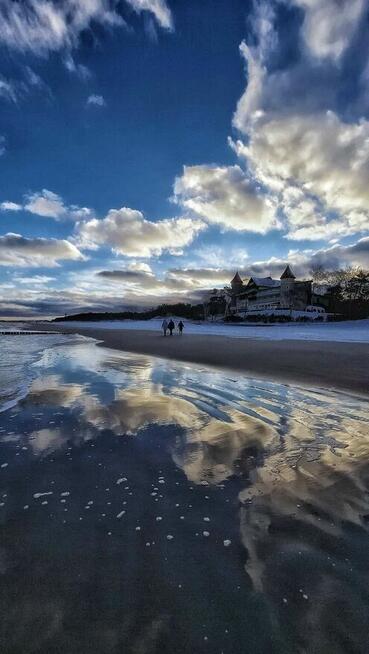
(149, 506)
(17, 356)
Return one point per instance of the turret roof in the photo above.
(236, 279)
(288, 274)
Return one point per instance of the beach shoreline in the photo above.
(341, 366)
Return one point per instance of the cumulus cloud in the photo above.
(96, 100)
(312, 162)
(255, 58)
(194, 284)
(225, 196)
(10, 206)
(303, 261)
(17, 250)
(278, 68)
(319, 166)
(329, 25)
(115, 290)
(127, 232)
(356, 254)
(48, 205)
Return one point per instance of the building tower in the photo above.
(287, 288)
(236, 284)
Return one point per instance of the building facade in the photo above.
(264, 294)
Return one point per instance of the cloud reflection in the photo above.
(297, 460)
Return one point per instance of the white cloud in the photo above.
(221, 255)
(40, 26)
(158, 8)
(225, 196)
(35, 280)
(78, 69)
(312, 84)
(10, 206)
(302, 262)
(86, 290)
(43, 26)
(127, 232)
(8, 90)
(174, 285)
(319, 167)
(139, 266)
(96, 100)
(313, 164)
(255, 57)
(183, 284)
(48, 205)
(2, 145)
(201, 278)
(329, 25)
(249, 103)
(179, 280)
(17, 250)
(13, 90)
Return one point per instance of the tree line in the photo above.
(347, 289)
(180, 310)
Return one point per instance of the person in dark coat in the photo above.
(170, 327)
(180, 327)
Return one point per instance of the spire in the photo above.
(236, 279)
(288, 274)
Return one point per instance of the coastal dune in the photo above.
(333, 365)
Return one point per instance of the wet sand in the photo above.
(150, 507)
(341, 366)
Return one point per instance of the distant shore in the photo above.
(332, 365)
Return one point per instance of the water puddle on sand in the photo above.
(151, 506)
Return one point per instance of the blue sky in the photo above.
(151, 148)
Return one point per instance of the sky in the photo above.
(151, 148)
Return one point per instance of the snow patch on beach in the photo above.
(353, 331)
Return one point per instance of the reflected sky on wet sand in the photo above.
(149, 506)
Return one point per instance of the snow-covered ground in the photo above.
(355, 331)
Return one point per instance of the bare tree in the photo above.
(357, 287)
(348, 287)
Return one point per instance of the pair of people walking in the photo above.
(169, 326)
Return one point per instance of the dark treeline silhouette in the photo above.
(346, 290)
(192, 312)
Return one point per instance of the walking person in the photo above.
(171, 327)
(164, 326)
(180, 327)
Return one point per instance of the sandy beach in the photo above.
(150, 506)
(331, 365)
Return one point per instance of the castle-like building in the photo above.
(264, 294)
